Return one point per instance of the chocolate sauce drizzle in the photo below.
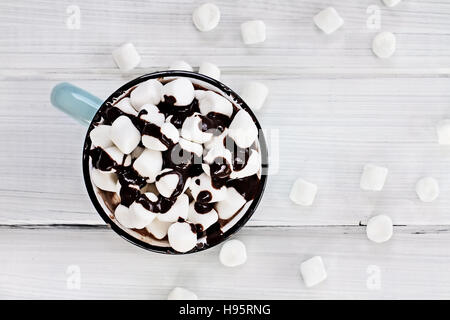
(187, 164)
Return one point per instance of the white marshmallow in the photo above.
(427, 189)
(181, 89)
(254, 94)
(206, 17)
(180, 65)
(253, 31)
(216, 140)
(118, 156)
(104, 180)
(373, 177)
(209, 101)
(203, 183)
(391, 3)
(153, 115)
(191, 130)
(379, 228)
(149, 164)
(167, 183)
(233, 253)
(158, 228)
(100, 136)
(210, 70)
(243, 129)
(181, 237)
(252, 167)
(313, 271)
(181, 294)
(179, 209)
(124, 134)
(139, 216)
(384, 44)
(443, 131)
(133, 217)
(148, 92)
(192, 147)
(232, 203)
(126, 57)
(218, 151)
(328, 20)
(303, 192)
(168, 130)
(125, 106)
(204, 219)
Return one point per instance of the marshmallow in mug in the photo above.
(202, 189)
(124, 134)
(178, 210)
(182, 236)
(191, 130)
(180, 89)
(100, 136)
(148, 92)
(243, 129)
(166, 132)
(158, 228)
(149, 164)
(210, 101)
(197, 215)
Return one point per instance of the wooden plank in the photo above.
(35, 36)
(33, 264)
(327, 128)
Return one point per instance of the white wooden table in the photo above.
(335, 105)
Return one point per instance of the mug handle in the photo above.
(76, 102)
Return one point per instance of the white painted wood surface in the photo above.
(335, 107)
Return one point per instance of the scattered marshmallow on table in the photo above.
(206, 17)
(181, 89)
(124, 134)
(427, 189)
(126, 57)
(149, 164)
(253, 31)
(104, 180)
(443, 131)
(391, 3)
(233, 253)
(181, 237)
(210, 70)
(100, 136)
(243, 129)
(148, 92)
(303, 192)
(313, 271)
(328, 20)
(373, 177)
(181, 294)
(254, 94)
(180, 65)
(384, 44)
(379, 228)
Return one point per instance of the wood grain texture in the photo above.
(34, 265)
(332, 103)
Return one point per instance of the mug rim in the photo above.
(223, 88)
